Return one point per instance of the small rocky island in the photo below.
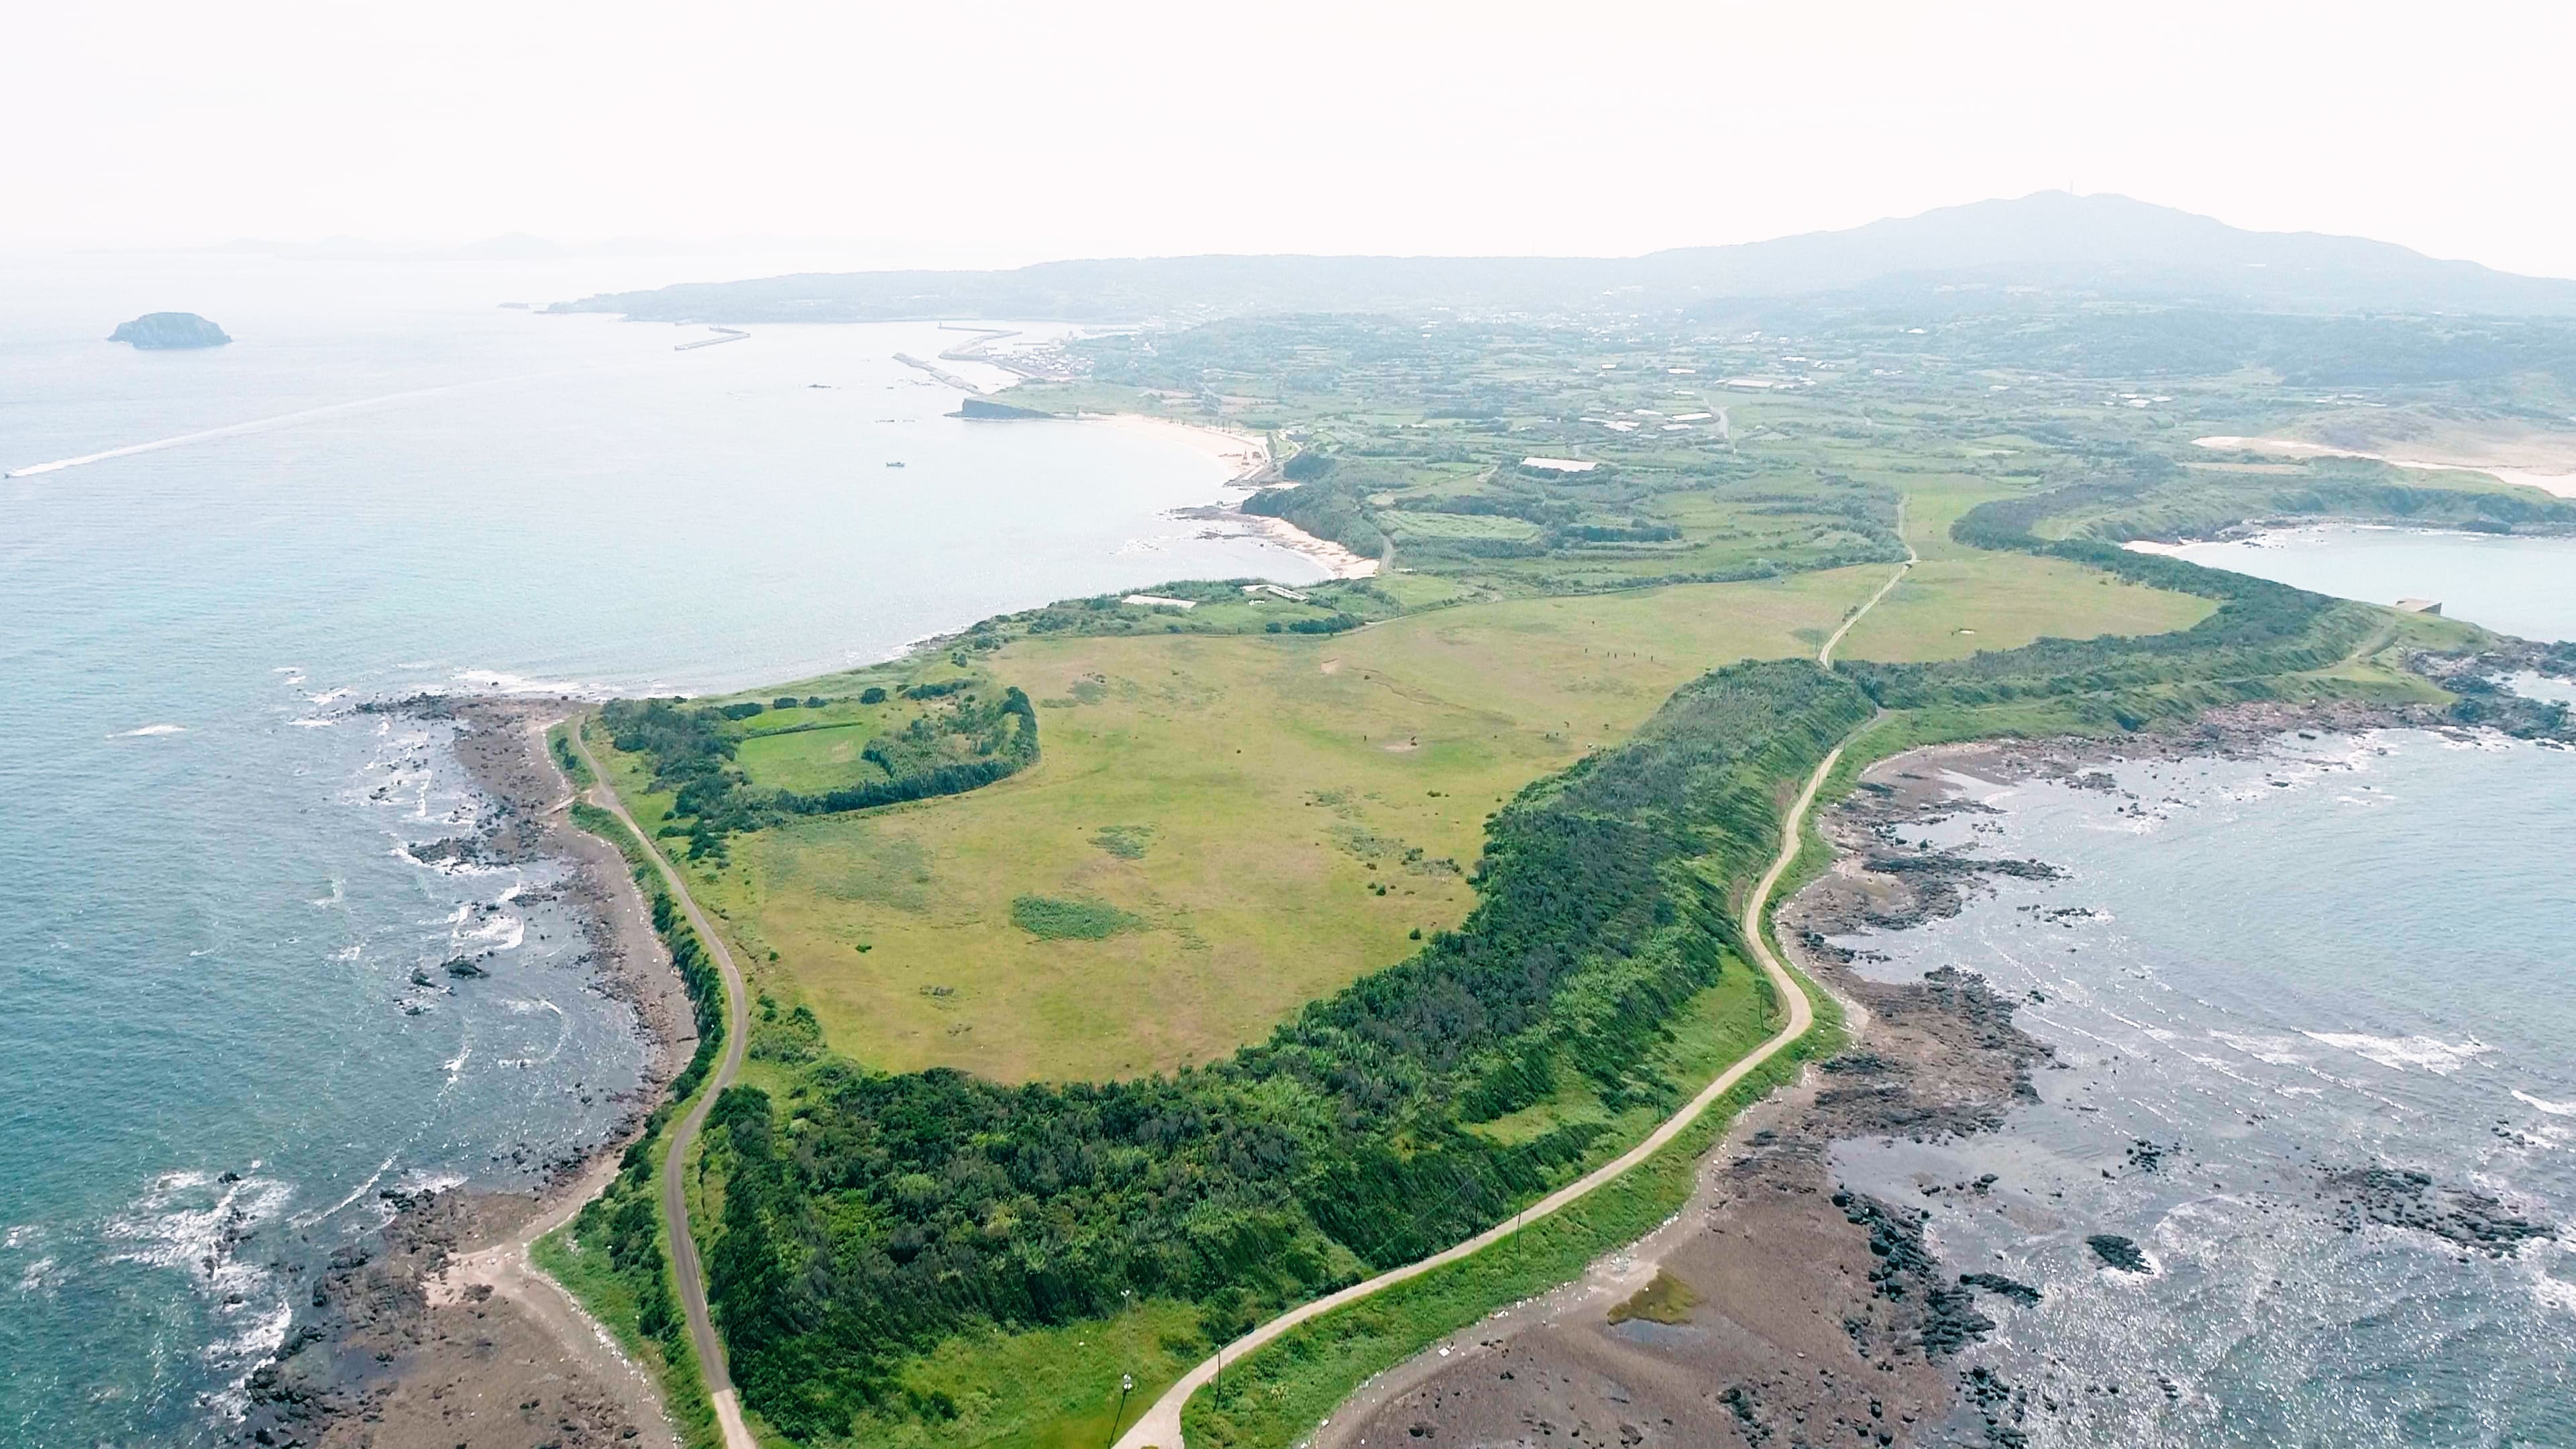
(170, 329)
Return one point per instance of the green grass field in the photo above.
(1226, 824)
(1054, 1388)
(1404, 525)
(1958, 600)
(1270, 816)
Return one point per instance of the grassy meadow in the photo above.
(1272, 816)
(1243, 808)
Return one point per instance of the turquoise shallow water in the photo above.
(212, 1054)
(2352, 953)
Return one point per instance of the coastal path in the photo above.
(1160, 1426)
(675, 1193)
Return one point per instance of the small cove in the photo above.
(2515, 584)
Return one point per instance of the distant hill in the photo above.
(156, 330)
(2106, 247)
(2111, 246)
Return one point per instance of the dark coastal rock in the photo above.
(2002, 1406)
(2119, 1252)
(463, 966)
(2399, 1198)
(1946, 866)
(157, 331)
(1906, 1268)
(991, 411)
(1856, 1063)
(2003, 1287)
(455, 850)
(2148, 1156)
(1953, 1321)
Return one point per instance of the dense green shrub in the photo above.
(1058, 920)
(692, 755)
(882, 1212)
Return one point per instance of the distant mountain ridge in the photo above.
(2108, 247)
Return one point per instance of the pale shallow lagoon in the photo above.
(2519, 585)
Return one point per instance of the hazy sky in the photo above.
(993, 133)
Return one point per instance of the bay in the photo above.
(2516, 584)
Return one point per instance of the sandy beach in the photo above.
(1249, 455)
(2553, 474)
(1336, 560)
(442, 1333)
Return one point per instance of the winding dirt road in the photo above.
(675, 1191)
(1160, 1426)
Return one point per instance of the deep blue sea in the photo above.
(2355, 952)
(212, 1054)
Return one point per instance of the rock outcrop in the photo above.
(170, 329)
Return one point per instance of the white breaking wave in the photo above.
(152, 729)
(2430, 1054)
(307, 1220)
(176, 1225)
(2555, 1293)
(2554, 1109)
(502, 932)
(2270, 1050)
(421, 1180)
(501, 681)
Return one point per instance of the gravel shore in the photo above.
(435, 1336)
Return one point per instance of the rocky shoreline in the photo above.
(379, 1356)
(1819, 1314)
(1815, 1313)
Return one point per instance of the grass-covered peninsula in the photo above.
(1123, 974)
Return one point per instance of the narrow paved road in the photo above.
(675, 1191)
(1160, 1427)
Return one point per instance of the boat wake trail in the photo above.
(257, 425)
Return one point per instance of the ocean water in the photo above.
(2353, 953)
(2524, 586)
(214, 1056)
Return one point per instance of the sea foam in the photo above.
(2554, 1109)
(2425, 1053)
